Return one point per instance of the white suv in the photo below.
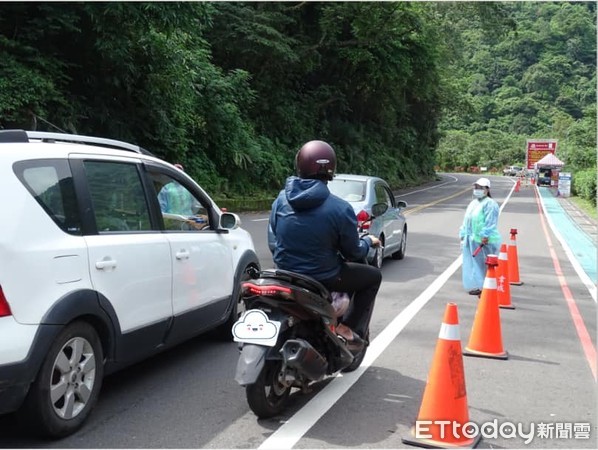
(102, 265)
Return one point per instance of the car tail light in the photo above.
(4, 308)
(266, 290)
(363, 220)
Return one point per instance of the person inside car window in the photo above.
(314, 233)
(175, 199)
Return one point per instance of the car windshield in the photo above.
(349, 190)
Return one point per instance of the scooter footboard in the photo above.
(250, 364)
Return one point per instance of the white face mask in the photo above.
(478, 193)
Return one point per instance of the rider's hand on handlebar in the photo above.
(375, 241)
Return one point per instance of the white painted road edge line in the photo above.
(300, 423)
(295, 428)
(455, 179)
(581, 273)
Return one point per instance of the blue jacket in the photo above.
(310, 229)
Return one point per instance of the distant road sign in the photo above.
(538, 149)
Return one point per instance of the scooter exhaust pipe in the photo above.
(300, 355)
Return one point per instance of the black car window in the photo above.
(117, 196)
(51, 184)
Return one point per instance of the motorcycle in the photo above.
(287, 336)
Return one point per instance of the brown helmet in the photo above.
(316, 159)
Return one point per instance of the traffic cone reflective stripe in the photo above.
(503, 288)
(449, 332)
(513, 259)
(445, 396)
(485, 339)
(489, 283)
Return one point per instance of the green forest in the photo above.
(232, 89)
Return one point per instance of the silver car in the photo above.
(363, 192)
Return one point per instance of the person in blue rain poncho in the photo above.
(175, 199)
(480, 228)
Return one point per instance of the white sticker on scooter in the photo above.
(254, 327)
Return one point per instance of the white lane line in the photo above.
(300, 423)
(455, 179)
(260, 220)
(581, 273)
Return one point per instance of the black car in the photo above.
(544, 177)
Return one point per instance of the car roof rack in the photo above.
(25, 136)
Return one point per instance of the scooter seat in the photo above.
(299, 279)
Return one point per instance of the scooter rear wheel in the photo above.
(267, 397)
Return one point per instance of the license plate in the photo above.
(255, 327)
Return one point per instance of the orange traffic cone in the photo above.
(513, 259)
(485, 339)
(517, 185)
(445, 399)
(503, 288)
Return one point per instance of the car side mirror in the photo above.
(230, 221)
(401, 204)
(378, 209)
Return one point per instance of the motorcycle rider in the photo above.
(314, 233)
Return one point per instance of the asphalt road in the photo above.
(187, 398)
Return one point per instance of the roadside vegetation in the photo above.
(587, 206)
(232, 89)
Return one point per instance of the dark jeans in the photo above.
(364, 281)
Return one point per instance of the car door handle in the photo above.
(182, 254)
(106, 263)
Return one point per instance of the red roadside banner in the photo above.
(538, 149)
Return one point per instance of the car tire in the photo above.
(378, 256)
(400, 253)
(68, 383)
(224, 331)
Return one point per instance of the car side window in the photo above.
(391, 198)
(51, 184)
(382, 195)
(181, 210)
(117, 196)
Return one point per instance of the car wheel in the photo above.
(378, 256)
(238, 309)
(400, 253)
(67, 385)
